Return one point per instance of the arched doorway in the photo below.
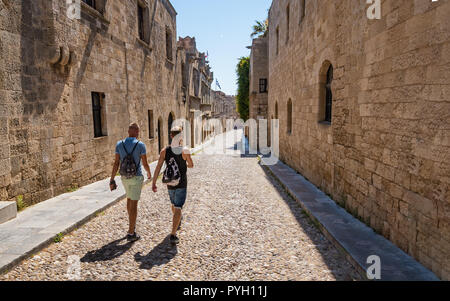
(169, 126)
(160, 136)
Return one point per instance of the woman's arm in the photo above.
(162, 157)
(187, 157)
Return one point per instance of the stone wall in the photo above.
(46, 114)
(385, 157)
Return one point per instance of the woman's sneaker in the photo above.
(133, 238)
(173, 239)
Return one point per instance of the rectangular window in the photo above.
(277, 39)
(288, 22)
(302, 10)
(99, 114)
(141, 22)
(263, 85)
(196, 82)
(151, 130)
(91, 3)
(169, 49)
(184, 75)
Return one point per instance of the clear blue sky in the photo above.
(223, 28)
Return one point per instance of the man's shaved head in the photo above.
(133, 130)
(134, 126)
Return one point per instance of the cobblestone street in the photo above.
(238, 224)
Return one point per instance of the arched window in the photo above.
(326, 93)
(289, 117)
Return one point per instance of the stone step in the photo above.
(8, 211)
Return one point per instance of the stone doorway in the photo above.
(169, 126)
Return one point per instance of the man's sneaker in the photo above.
(173, 239)
(133, 238)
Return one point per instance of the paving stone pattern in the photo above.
(238, 225)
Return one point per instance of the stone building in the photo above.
(196, 87)
(365, 114)
(69, 87)
(224, 107)
(259, 75)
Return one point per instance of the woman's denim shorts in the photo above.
(178, 197)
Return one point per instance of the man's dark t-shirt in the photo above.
(181, 165)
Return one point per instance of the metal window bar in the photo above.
(263, 85)
(91, 3)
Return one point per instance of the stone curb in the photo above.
(51, 239)
(421, 273)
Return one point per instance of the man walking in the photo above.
(129, 154)
(177, 193)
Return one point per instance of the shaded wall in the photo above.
(385, 156)
(46, 114)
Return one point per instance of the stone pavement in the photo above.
(353, 237)
(238, 224)
(37, 226)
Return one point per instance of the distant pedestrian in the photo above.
(129, 154)
(178, 159)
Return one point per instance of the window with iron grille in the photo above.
(329, 94)
(97, 112)
(91, 3)
(263, 85)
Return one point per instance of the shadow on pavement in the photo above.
(323, 246)
(108, 252)
(160, 255)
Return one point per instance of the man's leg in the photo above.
(128, 207)
(132, 215)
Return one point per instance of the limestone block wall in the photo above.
(46, 114)
(385, 157)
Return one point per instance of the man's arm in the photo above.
(162, 157)
(146, 167)
(115, 169)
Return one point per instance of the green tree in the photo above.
(260, 29)
(243, 81)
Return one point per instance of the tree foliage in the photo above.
(260, 29)
(243, 81)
